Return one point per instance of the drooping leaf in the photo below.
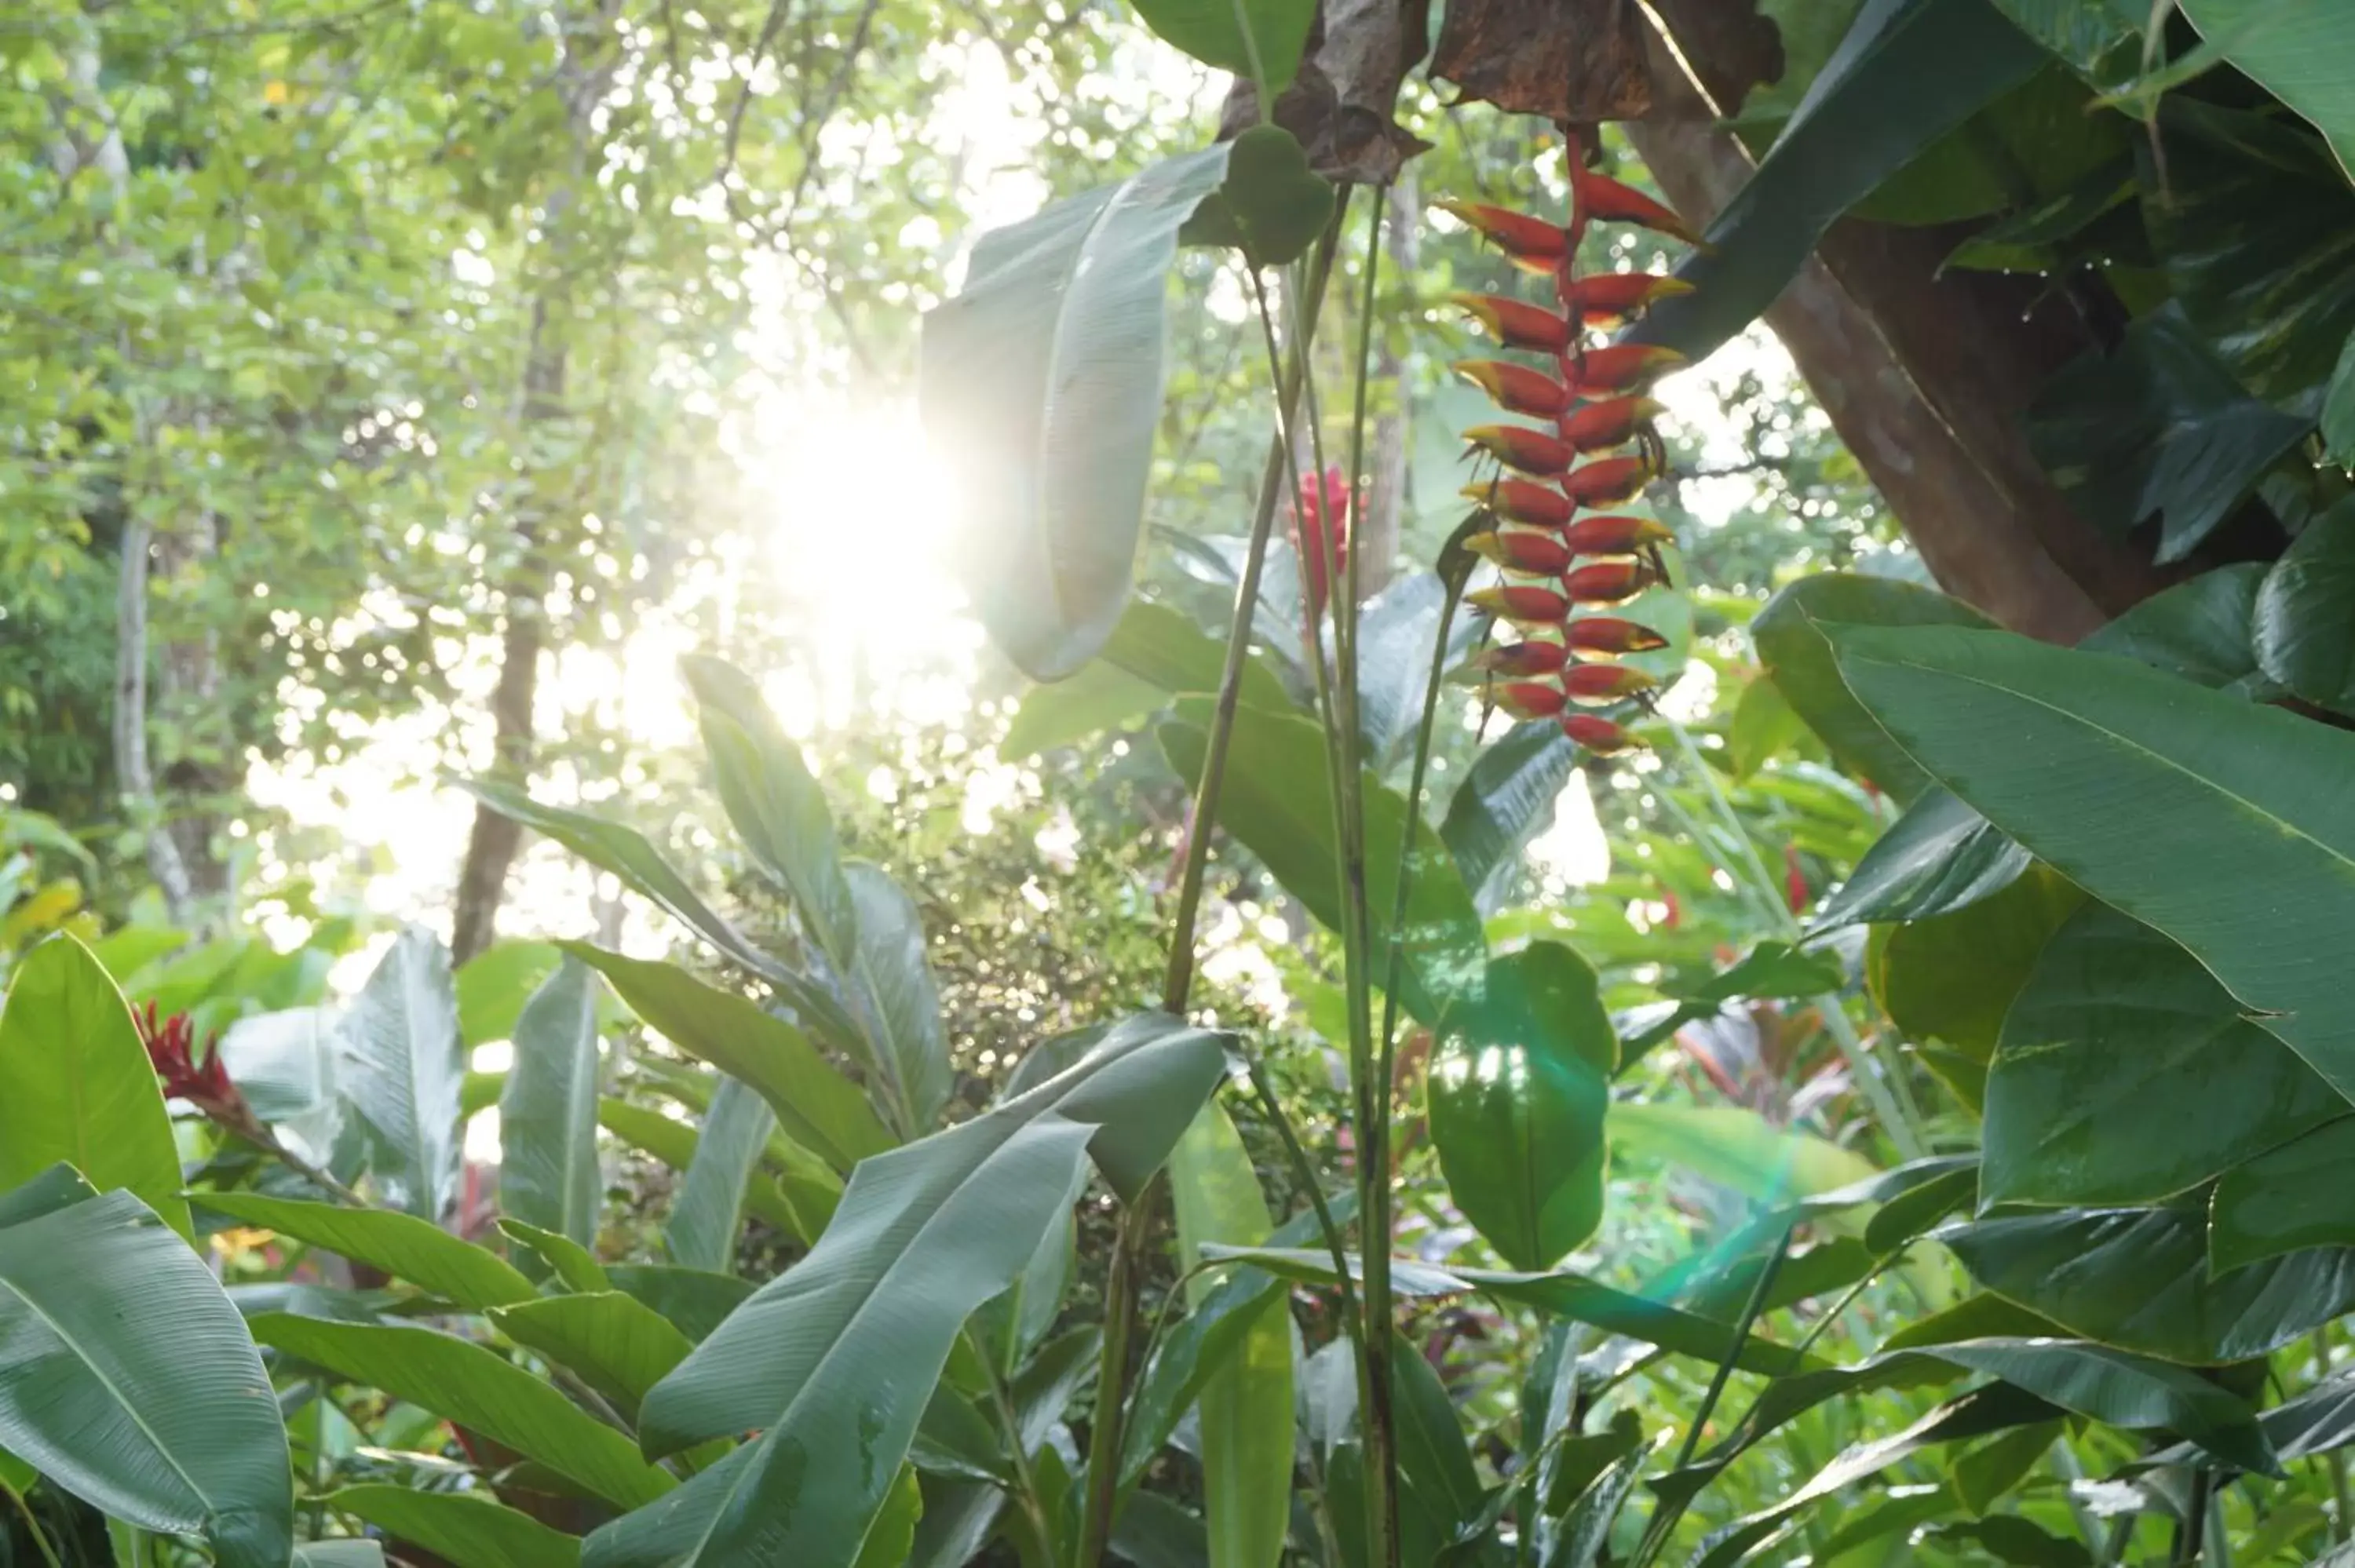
(478, 1389)
(1939, 857)
(2119, 1028)
(1953, 977)
(2158, 429)
(1043, 381)
(2304, 621)
(1257, 40)
(1271, 205)
(710, 1207)
(494, 985)
(1503, 801)
(1272, 803)
(619, 1346)
(78, 1089)
(1792, 644)
(2240, 840)
(574, 1265)
(549, 1174)
(815, 1105)
(402, 1245)
(465, 1529)
(2285, 1200)
(400, 1066)
(925, 1235)
(901, 1004)
(1518, 1084)
(1908, 72)
(1246, 1405)
(2138, 1279)
(128, 1379)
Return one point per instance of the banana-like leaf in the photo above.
(710, 1207)
(402, 1065)
(128, 1379)
(900, 1003)
(402, 1244)
(619, 1345)
(462, 1528)
(835, 1359)
(549, 1174)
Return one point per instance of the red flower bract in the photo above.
(1523, 449)
(171, 1048)
(1598, 735)
(1520, 552)
(1320, 522)
(1521, 500)
(1607, 637)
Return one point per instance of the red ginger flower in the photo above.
(1320, 521)
(171, 1048)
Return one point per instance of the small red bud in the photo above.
(1523, 449)
(1609, 582)
(1599, 735)
(1607, 636)
(1517, 602)
(1608, 424)
(1602, 199)
(1531, 243)
(1520, 552)
(1516, 324)
(1517, 389)
(1523, 501)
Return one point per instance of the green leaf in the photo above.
(1257, 40)
(2119, 1028)
(127, 1378)
(1518, 1083)
(2295, 50)
(709, 1208)
(478, 1389)
(549, 1175)
(1270, 804)
(776, 805)
(287, 1064)
(1246, 1405)
(925, 1235)
(336, 1554)
(620, 1346)
(2160, 429)
(692, 1300)
(2240, 840)
(1043, 381)
(494, 985)
(1790, 634)
(79, 1090)
(1097, 697)
(815, 1105)
(2285, 1200)
(1982, 1477)
(1953, 977)
(1506, 799)
(2201, 631)
(2124, 1390)
(1271, 205)
(1435, 1462)
(1939, 857)
(1735, 1147)
(573, 1265)
(465, 1529)
(2339, 409)
(1764, 726)
(402, 1063)
(673, 1142)
(1908, 72)
(2305, 620)
(57, 1187)
(1907, 1214)
(899, 1000)
(2084, 33)
(2138, 1279)
(402, 1244)
(893, 1534)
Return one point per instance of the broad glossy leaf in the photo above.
(1504, 800)
(1518, 1084)
(128, 1379)
(620, 1346)
(2160, 429)
(2225, 825)
(549, 1174)
(1246, 1405)
(2295, 49)
(1939, 857)
(710, 1207)
(574, 1265)
(1041, 381)
(494, 985)
(2285, 1200)
(899, 1002)
(79, 1090)
(1908, 72)
(2126, 1075)
(465, 1530)
(1953, 977)
(1793, 646)
(925, 1235)
(690, 1300)
(1257, 40)
(2305, 622)
(402, 1063)
(814, 1104)
(1435, 1462)
(776, 805)
(1395, 634)
(1735, 1147)
(2084, 33)
(2138, 1279)
(478, 1389)
(402, 1245)
(1101, 696)
(1274, 802)
(287, 1066)
(1981, 1478)
(2202, 631)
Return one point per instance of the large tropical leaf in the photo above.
(1504, 800)
(673, 1142)
(1042, 381)
(494, 985)
(549, 1174)
(2118, 1028)
(79, 1088)
(1518, 1084)
(815, 1105)
(478, 1389)
(709, 1208)
(2299, 50)
(128, 1379)
(619, 1345)
(2285, 1200)
(2304, 616)
(925, 1235)
(402, 1065)
(899, 1001)
(287, 1066)
(1257, 40)
(1273, 802)
(2227, 826)
(402, 1245)
(1246, 1405)
(465, 1529)
(1938, 857)
(693, 1301)
(1908, 72)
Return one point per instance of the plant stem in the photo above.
(1026, 1480)
(1112, 1378)
(1324, 1222)
(40, 1538)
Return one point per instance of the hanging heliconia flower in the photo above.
(1591, 398)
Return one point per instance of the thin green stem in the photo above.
(1026, 1480)
(40, 1538)
(1121, 1293)
(1306, 1172)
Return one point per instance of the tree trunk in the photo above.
(1924, 377)
(132, 775)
